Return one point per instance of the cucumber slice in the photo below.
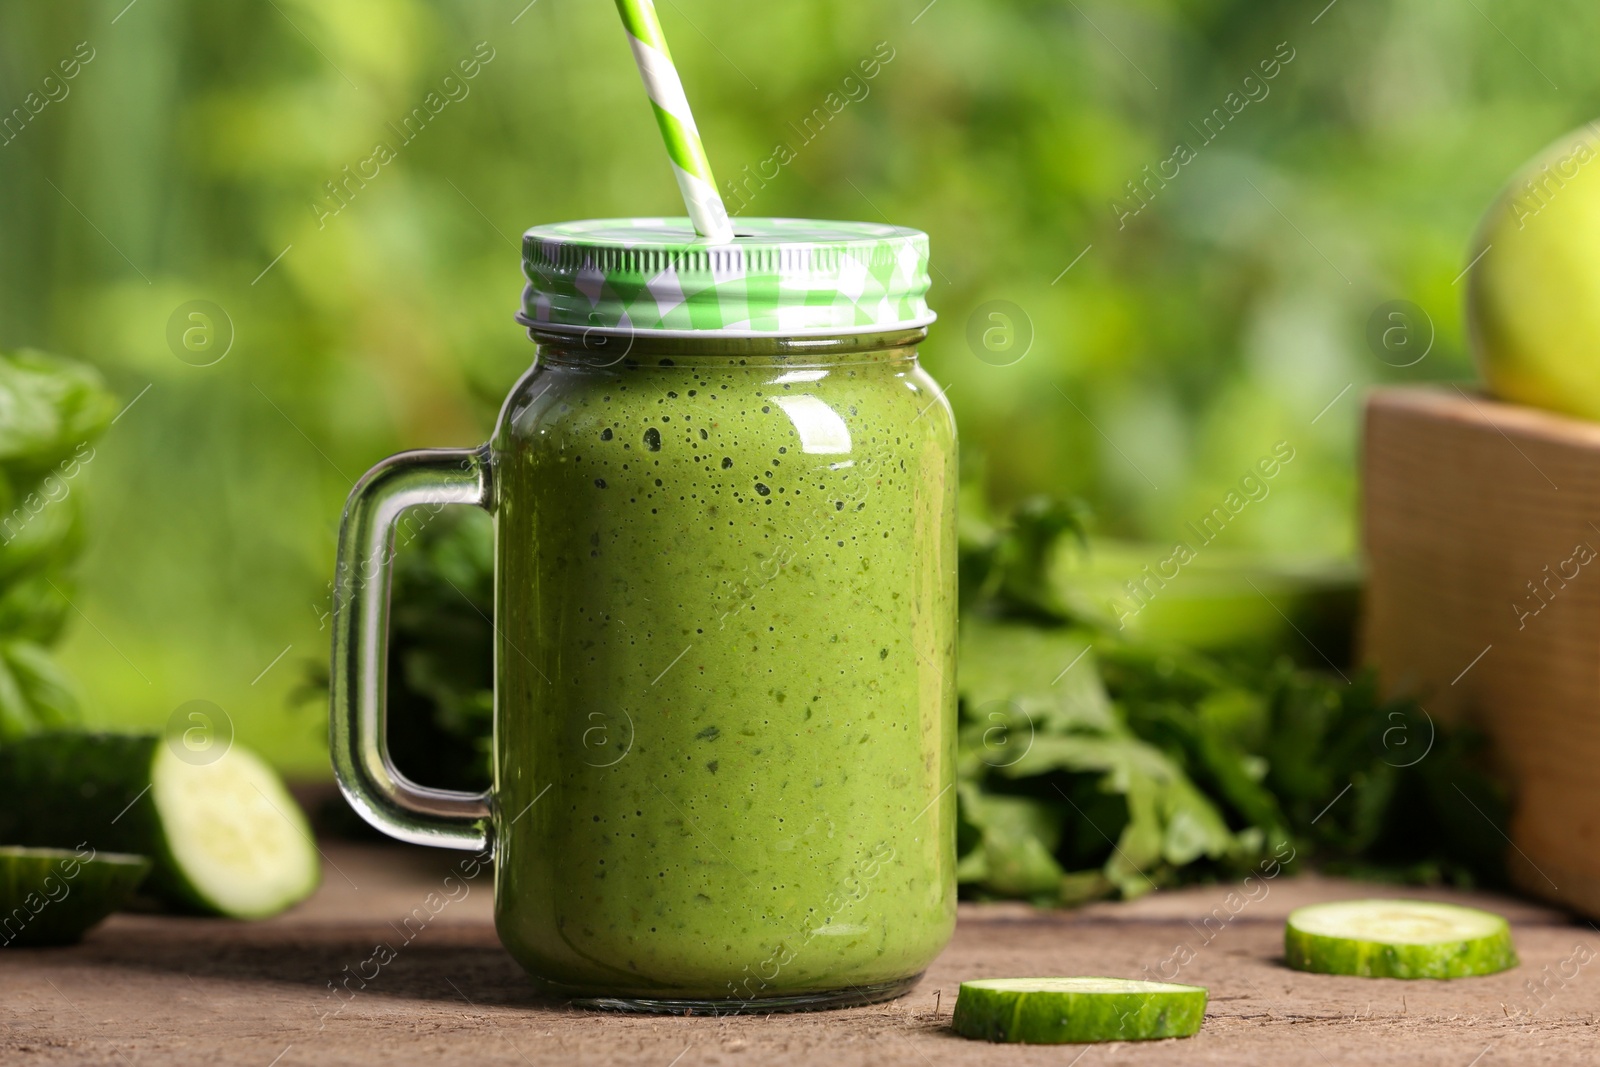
(225, 837)
(1052, 1011)
(1397, 939)
(49, 896)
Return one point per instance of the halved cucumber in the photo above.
(1049, 1011)
(1397, 939)
(49, 896)
(225, 836)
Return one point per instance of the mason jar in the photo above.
(724, 507)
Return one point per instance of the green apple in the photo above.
(1533, 301)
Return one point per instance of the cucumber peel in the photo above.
(224, 837)
(1050, 1011)
(1397, 939)
(50, 896)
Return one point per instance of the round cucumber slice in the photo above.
(1397, 939)
(49, 896)
(1053, 1011)
(233, 833)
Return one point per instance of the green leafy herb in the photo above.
(1099, 757)
(51, 409)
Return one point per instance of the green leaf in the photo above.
(44, 685)
(32, 608)
(1048, 675)
(39, 533)
(1014, 854)
(1081, 887)
(48, 406)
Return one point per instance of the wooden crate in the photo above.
(1482, 533)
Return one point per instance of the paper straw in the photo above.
(688, 155)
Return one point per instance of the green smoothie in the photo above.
(725, 663)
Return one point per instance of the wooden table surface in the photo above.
(145, 989)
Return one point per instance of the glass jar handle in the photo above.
(359, 675)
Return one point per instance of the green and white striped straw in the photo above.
(688, 155)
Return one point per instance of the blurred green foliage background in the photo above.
(186, 158)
